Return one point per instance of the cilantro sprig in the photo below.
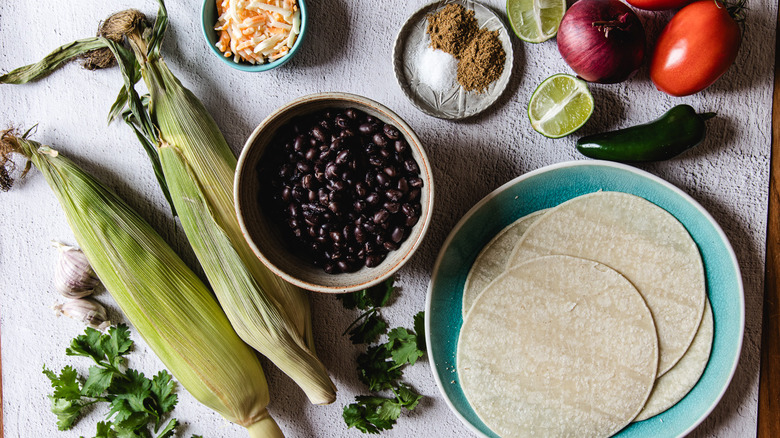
(135, 402)
(380, 367)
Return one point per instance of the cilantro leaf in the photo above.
(66, 385)
(374, 296)
(87, 345)
(135, 402)
(419, 328)
(162, 394)
(105, 430)
(116, 344)
(98, 381)
(355, 416)
(375, 370)
(369, 331)
(402, 345)
(407, 397)
(129, 395)
(67, 411)
(169, 429)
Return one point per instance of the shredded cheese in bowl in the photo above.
(257, 31)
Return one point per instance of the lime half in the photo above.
(560, 105)
(535, 21)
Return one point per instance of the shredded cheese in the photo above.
(257, 31)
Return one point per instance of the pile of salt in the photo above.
(437, 69)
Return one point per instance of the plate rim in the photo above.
(586, 163)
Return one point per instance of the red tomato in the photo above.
(658, 5)
(698, 45)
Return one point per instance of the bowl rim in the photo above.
(426, 172)
(586, 163)
(207, 31)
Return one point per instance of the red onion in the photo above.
(602, 40)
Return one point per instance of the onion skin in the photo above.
(603, 41)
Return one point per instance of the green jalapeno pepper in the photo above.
(678, 130)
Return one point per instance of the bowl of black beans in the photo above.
(334, 192)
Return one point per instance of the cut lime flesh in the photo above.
(560, 105)
(535, 21)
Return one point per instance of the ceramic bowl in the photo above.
(209, 16)
(264, 235)
(548, 187)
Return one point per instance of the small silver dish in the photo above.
(454, 102)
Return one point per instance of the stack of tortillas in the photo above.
(583, 318)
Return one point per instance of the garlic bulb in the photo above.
(86, 310)
(74, 277)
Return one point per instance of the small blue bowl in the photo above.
(208, 18)
(548, 187)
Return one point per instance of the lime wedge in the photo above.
(535, 21)
(560, 105)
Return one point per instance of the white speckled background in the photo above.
(348, 48)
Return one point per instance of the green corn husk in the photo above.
(173, 311)
(266, 311)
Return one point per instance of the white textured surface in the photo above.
(348, 48)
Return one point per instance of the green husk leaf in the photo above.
(53, 61)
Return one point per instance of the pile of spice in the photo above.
(479, 52)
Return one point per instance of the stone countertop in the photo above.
(348, 48)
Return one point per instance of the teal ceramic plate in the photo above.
(548, 187)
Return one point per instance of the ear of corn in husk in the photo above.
(165, 301)
(174, 117)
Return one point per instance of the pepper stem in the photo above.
(707, 116)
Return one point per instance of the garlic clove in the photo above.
(73, 277)
(86, 310)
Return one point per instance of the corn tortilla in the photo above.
(493, 259)
(558, 346)
(644, 243)
(678, 381)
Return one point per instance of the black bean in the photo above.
(342, 121)
(379, 139)
(286, 194)
(360, 235)
(359, 205)
(312, 195)
(375, 160)
(372, 198)
(391, 132)
(335, 207)
(311, 154)
(381, 216)
(390, 171)
(392, 207)
(411, 166)
(308, 181)
(335, 236)
(361, 189)
(412, 220)
(390, 246)
(331, 171)
(400, 146)
(374, 260)
(382, 179)
(304, 167)
(348, 133)
(329, 268)
(398, 234)
(319, 133)
(394, 194)
(403, 186)
(351, 113)
(300, 143)
(416, 182)
(343, 156)
(414, 195)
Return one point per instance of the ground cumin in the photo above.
(480, 55)
(481, 62)
(452, 28)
